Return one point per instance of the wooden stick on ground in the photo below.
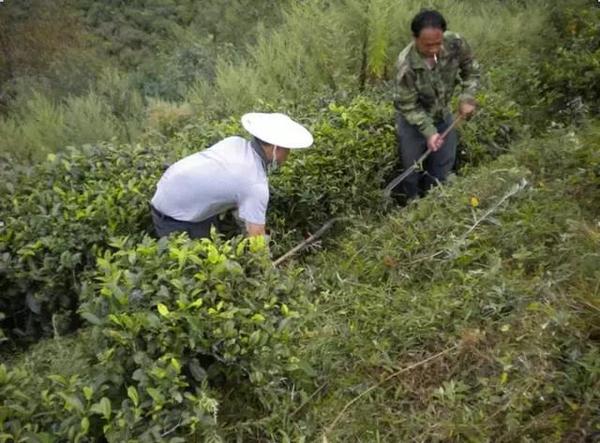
(308, 241)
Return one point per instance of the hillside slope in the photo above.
(472, 314)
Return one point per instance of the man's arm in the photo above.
(470, 74)
(252, 208)
(254, 230)
(407, 103)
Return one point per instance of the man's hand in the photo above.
(253, 230)
(466, 108)
(435, 142)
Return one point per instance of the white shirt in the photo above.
(227, 175)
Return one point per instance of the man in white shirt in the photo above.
(232, 174)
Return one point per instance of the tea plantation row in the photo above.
(493, 279)
(57, 216)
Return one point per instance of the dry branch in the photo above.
(308, 241)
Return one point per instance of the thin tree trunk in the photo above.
(8, 72)
(362, 78)
(6, 31)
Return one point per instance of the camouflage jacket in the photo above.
(423, 95)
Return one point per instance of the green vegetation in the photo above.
(499, 275)
(470, 315)
(60, 214)
(141, 73)
(100, 85)
(166, 347)
(506, 291)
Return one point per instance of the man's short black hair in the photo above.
(427, 18)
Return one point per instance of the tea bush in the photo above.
(343, 174)
(175, 296)
(175, 325)
(488, 286)
(559, 84)
(191, 339)
(57, 215)
(497, 124)
(569, 79)
(60, 213)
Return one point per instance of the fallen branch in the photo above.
(515, 189)
(173, 429)
(313, 395)
(308, 241)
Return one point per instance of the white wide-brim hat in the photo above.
(277, 129)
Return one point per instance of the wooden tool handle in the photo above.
(457, 120)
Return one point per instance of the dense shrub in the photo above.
(175, 325)
(164, 119)
(491, 131)
(342, 174)
(488, 285)
(204, 339)
(59, 214)
(559, 84)
(211, 299)
(570, 79)
(55, 216)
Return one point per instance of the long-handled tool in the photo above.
(387, 192)
(395, 182)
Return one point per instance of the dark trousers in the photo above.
(165, 225)
(412, 144)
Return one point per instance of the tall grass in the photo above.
(40, 124)
(319, 49)
(37, 128)
(379, 25)
(325, 47)
(124, 101)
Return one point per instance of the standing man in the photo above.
(429, 69)
(231, 174)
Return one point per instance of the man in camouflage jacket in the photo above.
(429, 69)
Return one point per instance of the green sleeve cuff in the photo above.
(429, 131)
(465, 97)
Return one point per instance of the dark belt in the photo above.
(161, 215)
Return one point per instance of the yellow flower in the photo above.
(474, 202)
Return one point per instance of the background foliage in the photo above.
(471, 314)
(288, 55)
